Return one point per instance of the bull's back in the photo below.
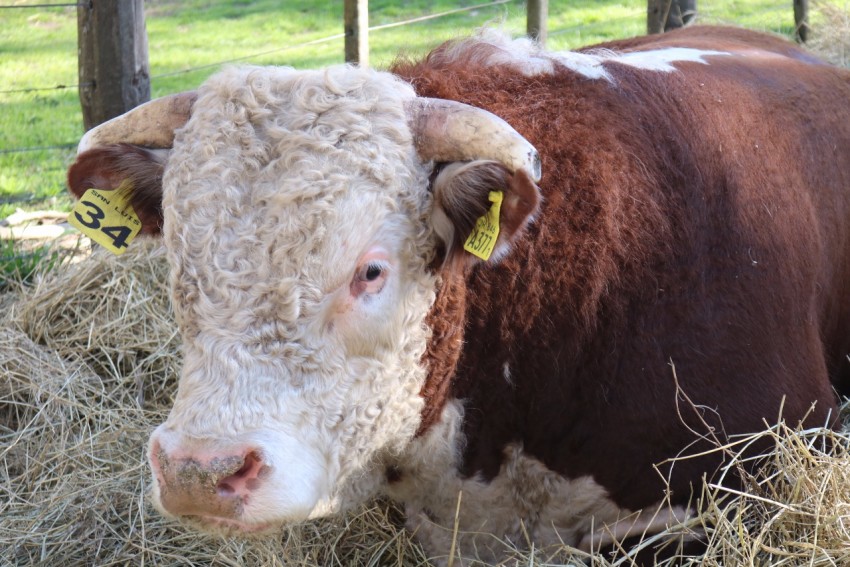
(770, 134)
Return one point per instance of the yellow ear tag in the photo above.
(107, 218)
(482, 240)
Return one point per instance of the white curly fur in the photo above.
(276, 187)
(526, 502)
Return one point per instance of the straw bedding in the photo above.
(831, 38)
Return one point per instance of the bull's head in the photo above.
(306, 233)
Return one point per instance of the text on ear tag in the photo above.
(107, 218)
(482, 241)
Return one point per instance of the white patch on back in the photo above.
(530, 59)
(586, 64)
(660, 60)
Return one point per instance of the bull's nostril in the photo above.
(244, 479)
(252, 461)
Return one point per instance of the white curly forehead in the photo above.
(279, 180)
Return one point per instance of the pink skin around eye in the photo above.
(371, 273)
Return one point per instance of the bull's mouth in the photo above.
(229, 526)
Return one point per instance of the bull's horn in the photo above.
(445, 130)
(151, 124)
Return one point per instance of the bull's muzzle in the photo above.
(209, 485)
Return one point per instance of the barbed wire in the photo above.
(329, 38)
(63, 5)
(251, 56)
(597, 24)
(67, 146)
(261, 53)
(54, 88)
(438, 15)
(18, 199)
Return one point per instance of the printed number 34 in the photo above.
(118, 234)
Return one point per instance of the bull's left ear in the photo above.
(480, 207)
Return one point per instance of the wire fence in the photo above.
(67, 146)
(64, 5)
(35, 89)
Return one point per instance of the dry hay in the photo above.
(796, 511)
(830, 36)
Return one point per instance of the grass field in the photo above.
(190, 39)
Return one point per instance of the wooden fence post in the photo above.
(664, 15)
(538, 13)
(680, 14)
(113, 58)
(801, 20)
(356, 15)
(656, 15)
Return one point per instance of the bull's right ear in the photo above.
(480, 208)
(138, 171)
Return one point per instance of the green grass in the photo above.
(18, 265)
(38, 48)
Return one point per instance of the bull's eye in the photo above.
(373, 272)
(370, 276)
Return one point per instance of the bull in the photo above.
(476, 273)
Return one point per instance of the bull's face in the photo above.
(302, 234)
(299, 284)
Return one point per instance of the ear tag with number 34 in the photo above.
(107, 218)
